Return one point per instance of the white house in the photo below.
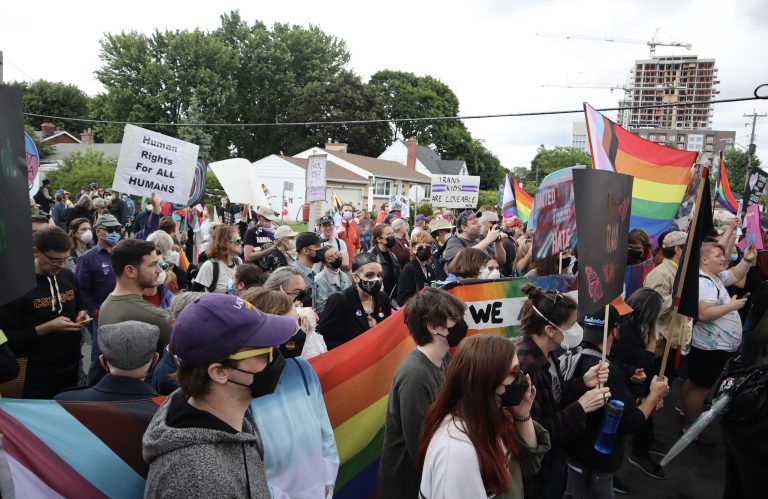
(422, 158)
(285, 180)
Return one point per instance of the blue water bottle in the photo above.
(610, 425)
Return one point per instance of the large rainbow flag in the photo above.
(723, 195)
(508, 207)
(523, 201)
(661, 173)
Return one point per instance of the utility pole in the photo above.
(750, 152)
(1, 67)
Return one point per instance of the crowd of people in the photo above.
(221, 316)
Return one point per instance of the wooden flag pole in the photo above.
(605, 330)
(675, 313)
(560, 265)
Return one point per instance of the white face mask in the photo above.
(161, 277)
(173, 258)
(86, 236)
(494, 274)
(572, 336)
(290, 244)
(484, 273)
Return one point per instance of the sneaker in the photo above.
(619, 487)
(658, 449)
(647, 466)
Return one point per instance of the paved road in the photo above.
(697, 473)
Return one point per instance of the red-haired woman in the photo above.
(479, 438)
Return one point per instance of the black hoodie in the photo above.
(52, 296)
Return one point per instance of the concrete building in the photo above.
(669, 80)
(708, 142)
(579, 137)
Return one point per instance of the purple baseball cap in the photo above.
(217, 325)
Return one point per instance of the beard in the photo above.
(148, 282)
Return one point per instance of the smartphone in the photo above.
(85, 321)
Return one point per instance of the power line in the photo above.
(404, 120)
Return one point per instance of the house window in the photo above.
(695, 142)
(382, 187)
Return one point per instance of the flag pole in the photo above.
(718, 176)
(681, 281)
(605, 330)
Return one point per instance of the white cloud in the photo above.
(487, 51)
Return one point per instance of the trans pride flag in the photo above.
(661, 173)
(723, 195)
(508, 207)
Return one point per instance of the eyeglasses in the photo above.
(55, 261)
(247, 354)
(236, 241)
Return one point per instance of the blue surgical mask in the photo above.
(112, 238)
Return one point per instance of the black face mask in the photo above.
(304, 297)
(390, 241)
(423, 253)
(294, 346)
(457, 333)
(316, 258)
(372, 287)
(635, 253)
(515, 391)
(336, 264)
(566, 262)
(265, 382)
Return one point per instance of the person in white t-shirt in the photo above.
(217, 273)
(717, 332)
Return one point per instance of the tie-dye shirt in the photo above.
(723, 333)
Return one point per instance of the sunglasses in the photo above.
(236, 241)
(247, 354)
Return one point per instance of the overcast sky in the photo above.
(487, 51)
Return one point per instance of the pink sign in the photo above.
(754, 236)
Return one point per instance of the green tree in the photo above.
(547, 161)
(82, 169)
(345, 97)
(736, 166)
(488, 197)
(54, 99)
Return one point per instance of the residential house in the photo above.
(386, 177)
(422, 158)
(284, 179)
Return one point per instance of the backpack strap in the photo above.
(215, 279)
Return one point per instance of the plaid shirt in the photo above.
(564, 421)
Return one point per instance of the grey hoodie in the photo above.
(202, 462)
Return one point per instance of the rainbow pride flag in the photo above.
(723, 195)
(508, 206)
(523, 201)
(661, 173)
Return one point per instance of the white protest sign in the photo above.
(404, 202)
(316, 178)
(239, 180)
(455, 191)
(153, 163)
(499, 312)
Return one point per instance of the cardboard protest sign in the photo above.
(455, 191)
(153, 163)
(316, 178)
(603, 204)
(239, 180)
(554, 209)
(16, 265)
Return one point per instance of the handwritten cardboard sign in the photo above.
(316, 178)
(455, 191)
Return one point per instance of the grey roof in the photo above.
(437, 165)
(63, 151)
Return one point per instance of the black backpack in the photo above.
(192, 272)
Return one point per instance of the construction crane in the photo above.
(652, 43)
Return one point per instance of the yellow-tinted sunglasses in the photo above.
(247, 354)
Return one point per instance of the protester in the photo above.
(39, 221)
(523, 256)
(546, 266)
(297, 403)
(152, 221)
(348, 231)
(99, 208)
(291, 281)
(247, 276)
(160, 294)
(395, 212)
(440, 230)
(419, 225)
(717, 333)
(117, 207)
(278, 256)
(548, 321)
(479, 436)
(258, 240)
(383, 212)
(634, 352)
(383, 241)
(226, 350)
(58, 210)
(171, 276)
(43, 196)
(331, 279)
(590, 472)
(513, 228)
(468, 236)
(401, 250)
(225, 212)
(308, 246)
(44, 325)
(639, 248)
(327, 225)
(488, 218)
(417, 273)
(82, 209)
(217, 273)
(162, 381)
(9, 366)
(661, 279)
(137, 267)
(435, 322)
(366, 227)
(469, 263)
(81, 234)
(358, 308)
(97, 279)
(128, 353)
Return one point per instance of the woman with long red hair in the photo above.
(479, 438)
